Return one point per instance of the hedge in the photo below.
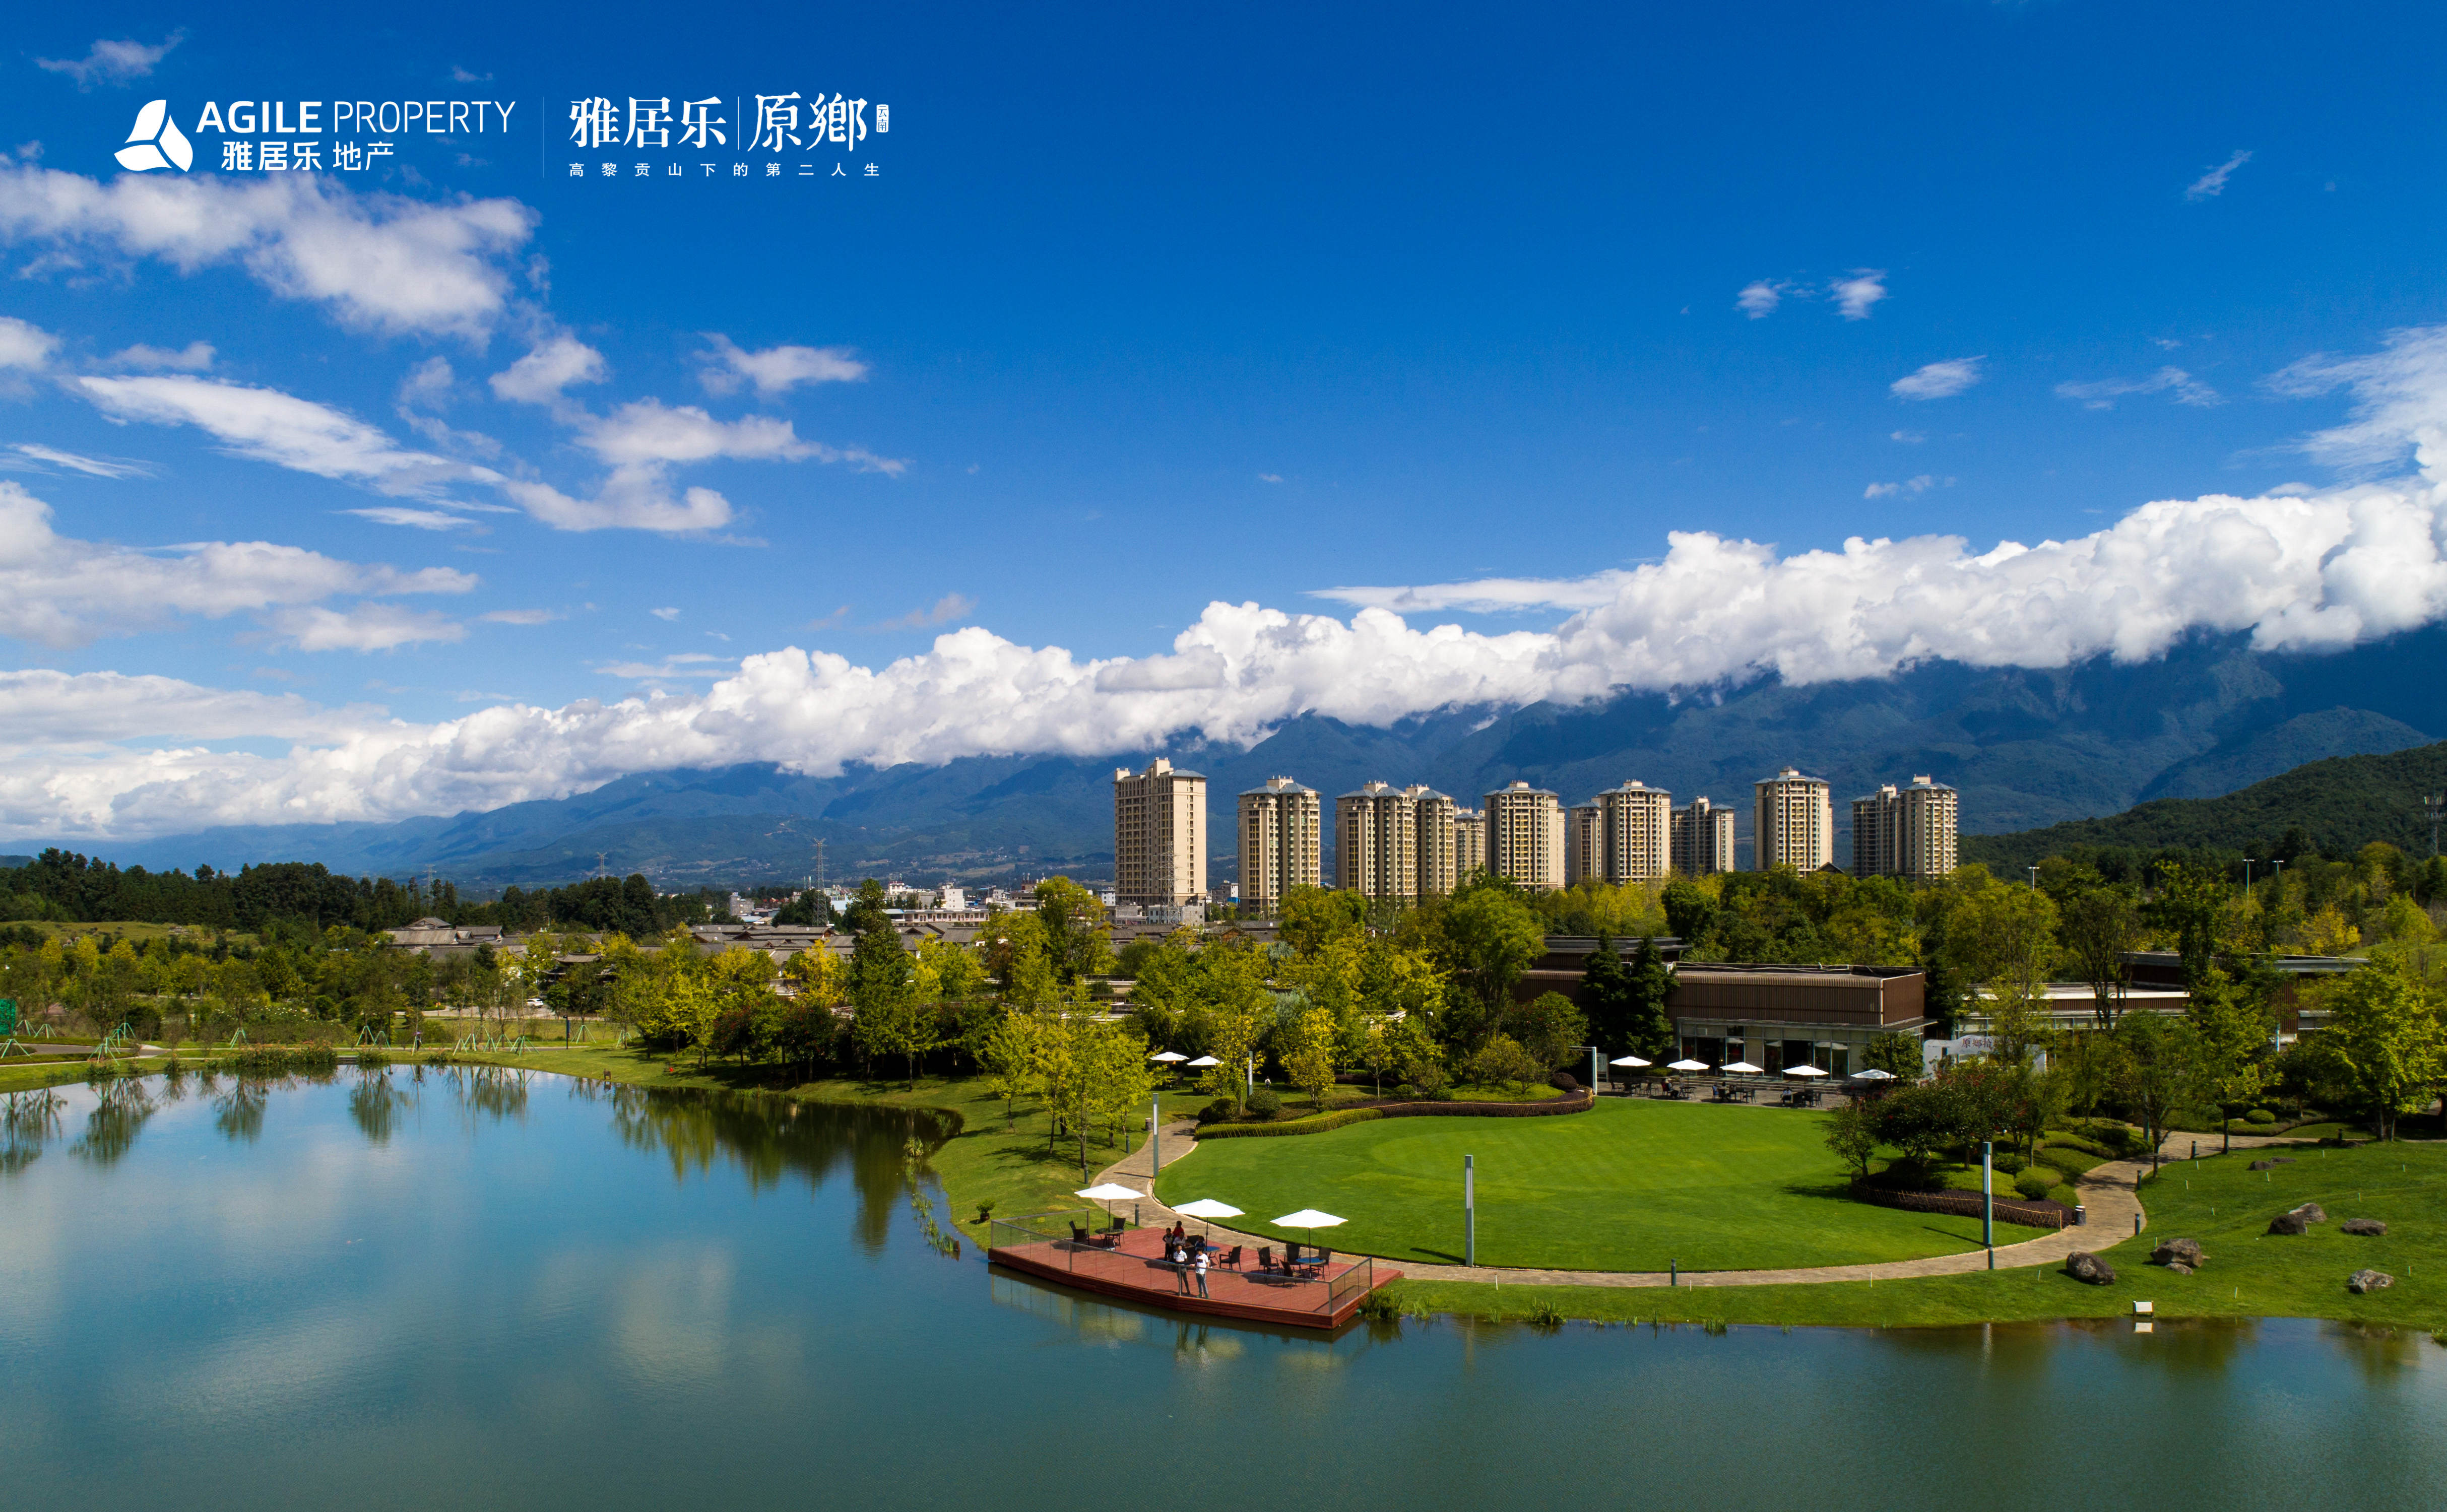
(1344, 1117)
(2041, 1214)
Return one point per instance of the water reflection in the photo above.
(28, 1122)
(375, 1106)
(238, 1112)
(121, 1109)
(497, 1092)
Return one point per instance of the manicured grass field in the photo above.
(2226, 1206)
(1630, 1186)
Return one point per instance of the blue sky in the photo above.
(1141, 313)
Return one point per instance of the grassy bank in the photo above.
(2216, 1200)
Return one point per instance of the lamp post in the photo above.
(1469, 1209)
(2246, 873)
(2035, 877)
(1988, 1201)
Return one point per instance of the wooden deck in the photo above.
(1136, 1268)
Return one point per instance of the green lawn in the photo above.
(1630, 1186)
(2226, 1206)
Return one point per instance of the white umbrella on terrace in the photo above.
(1803, 1070)
(1203, 1062)
(1687, 1065)
(1167, 1056)
(1743, 1068)
(1627, 1059)
(1111, 1192)
(1206, 1209)
(1873, 1074)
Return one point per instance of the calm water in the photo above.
(458, 1290)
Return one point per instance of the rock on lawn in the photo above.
(2084, 1266)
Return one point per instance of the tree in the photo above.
(1605, 987)
(1009, 1056)
(1309, 916)
(1851, 1136)
(2234, 1032)
(809, 910)
(1550, 1028)
(2188, 904)
(2160, 1069)
(2099, 924)
(1898, 1055)
(2384, 1040)
(1309, 1058)
(1651, 1033)
(1239, 1010)
(1487, 936)
(1077, 937)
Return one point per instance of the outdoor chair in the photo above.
(1232, 1259)
(1322, 1258)
(1119, 1224)
(1265, 1259)
(1078, 1233)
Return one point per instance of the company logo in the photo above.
(156, 143)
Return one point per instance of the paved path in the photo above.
(2112, 1205)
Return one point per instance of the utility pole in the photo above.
(820, 863)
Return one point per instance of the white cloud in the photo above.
(25, 347)
(2105, 392)
(1854, 295)
(539, 377)
(648, 431)
(633, 498)
(947, 609)
(1270, 478)
(196, 357)
(377, 261)
(2296, 569)
(269, 426)
(1939, 380)
(1909, 485)
(108, 62)
(65, 592)
(518, 617)
(73, 461)
(665, 614)
(2213, 183)
(361, 627)
(56, 710)
(414, 519)
(1759, 298)
(1909, 438)
(774, 370)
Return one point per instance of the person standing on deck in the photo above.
(1200, 1264)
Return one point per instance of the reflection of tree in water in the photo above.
(496, 1091)
(767, 1138)
(2378, 1351)
(121, 1108)
(29, 1121)
(238, 1112)
(376, 1105)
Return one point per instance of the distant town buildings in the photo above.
(1434, 814)
(1793, 823)
(1703, 838)
(1907, 832)
(1283, 839)
(1375, 843)
(1159, 836)
(1524, 836)
(1636, 838)
(1469, 841)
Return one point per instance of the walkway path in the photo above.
(2109, 1203)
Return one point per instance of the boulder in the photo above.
(2368, 1281)
(2313, 1212)
(2185, 1253)
(2275, 1160)
(2288, 1223)
(2084, 1266)
(2179, 1268)
(2362, 1225)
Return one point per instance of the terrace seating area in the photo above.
(1299, 1284)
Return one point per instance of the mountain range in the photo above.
(2026, 749)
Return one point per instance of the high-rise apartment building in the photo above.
(1283, 839)
(1524, 836)
(1794, 824)
(1637, 838)
(1905, 832)
(1703, 838)
(1159, 836)
(1440, 867)
(1376, 842)
(1470, 843)
(1584, 844)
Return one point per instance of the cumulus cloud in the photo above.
(2296, 569)
(1909, 485)
(774, 370)
(1939, 380)
(25, 347)
(414, 519)
(632, 498)
(539, 377)
(1759, 298)
(2103, 393)
(64, 592)
(1855, 294)
(108, 62)
(196, 357)
(2213, 183)
(379, 262)
(64, 709)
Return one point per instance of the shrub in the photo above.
(2072, 1160)
(1431, 1080)
(1316, 1124)
(1563, 1082)
(2011, 1164)
(2260, 1115)
(1407, 1090)
(1215, 1112)
(2064, 1196)
(1265, 1102)
(372, 1059)
(2037, 1181)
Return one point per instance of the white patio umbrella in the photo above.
(1803, 1070)
(1627, 1059)
(1168, 1055)
(1743, 1068)
(1873, 1074)
(1307, 1217)
(1206, 1209)
(1203, 1062)
(1111, 1192)
(1687, 1065)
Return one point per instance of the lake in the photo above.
(476, 1288)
